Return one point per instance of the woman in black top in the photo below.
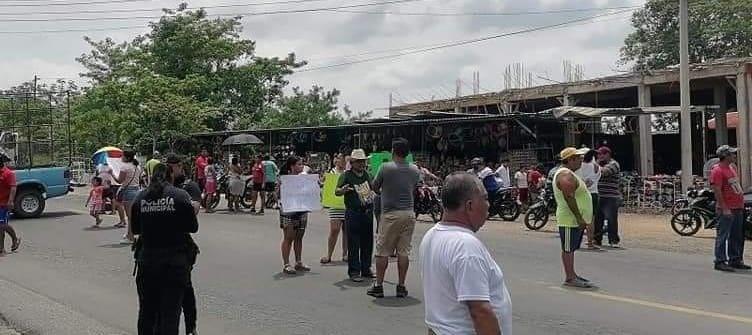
(162, 217)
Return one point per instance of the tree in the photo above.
(717, 29)
(317, 107)
(187, 45)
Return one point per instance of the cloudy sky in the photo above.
(326, 38)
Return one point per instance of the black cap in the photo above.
(173, 158)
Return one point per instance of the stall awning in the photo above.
(592, 112)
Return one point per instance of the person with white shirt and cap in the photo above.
(503, 173)
(590, 173)
(463, 286)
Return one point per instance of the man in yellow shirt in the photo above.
(574, 212)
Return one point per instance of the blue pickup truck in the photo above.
(36, 185)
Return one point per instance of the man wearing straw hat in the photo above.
(355, 186)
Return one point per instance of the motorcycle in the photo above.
(683, 202)
(504, 204)
(701, 213)
(427, 202)
(538, 213)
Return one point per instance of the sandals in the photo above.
(289, 270)
(578, 283)
(17, 244)
(325, 260)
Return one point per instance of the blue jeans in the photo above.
(729, 241)
(608, 209)
(359, 241)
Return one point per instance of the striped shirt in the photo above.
(608, 185)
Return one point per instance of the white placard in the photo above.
(300, 193)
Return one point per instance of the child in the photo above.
(96, 200)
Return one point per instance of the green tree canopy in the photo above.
(717, 29)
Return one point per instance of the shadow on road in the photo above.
(397, 302)
(61, 214)
(347, 284)
(283, 276)
(116, 245)
(92, 228)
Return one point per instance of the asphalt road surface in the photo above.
(241, 289)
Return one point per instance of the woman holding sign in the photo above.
(293, 224)
(336, 207)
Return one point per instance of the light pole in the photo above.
(686, 119)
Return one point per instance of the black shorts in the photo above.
(258, 187)
(270, 187)
(571, 238)
(109, 192)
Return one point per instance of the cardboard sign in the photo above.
(329, 199)
(300, 193)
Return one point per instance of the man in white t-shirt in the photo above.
(503, 173)
(520, 180)
(463, 286)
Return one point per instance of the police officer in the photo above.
(162, 217)
(175, 163)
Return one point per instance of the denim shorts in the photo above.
(4, 216)
(128, 194)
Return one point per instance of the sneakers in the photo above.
(302, 267)
(724, 267)
(401, 291)
(376, 291)
(356, 278)
(740, 266)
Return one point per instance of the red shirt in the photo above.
(534, 177)
(7, 181)
(201, 163)
(258, 173)
(725, 176)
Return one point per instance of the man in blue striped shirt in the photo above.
(609, 193)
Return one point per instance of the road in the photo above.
(241, 289)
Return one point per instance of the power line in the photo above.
(439, 14)
(96, 2)
(82, 30)
(275, 12)
(464, 42)
(137, 10)
(520, 13)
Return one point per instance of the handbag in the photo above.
(120, 192)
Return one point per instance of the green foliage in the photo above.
(717, 29)
(189, 74)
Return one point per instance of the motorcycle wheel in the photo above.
(686, 223)
(679, 205)
(510, 212)
(215, 201)
(536, 218)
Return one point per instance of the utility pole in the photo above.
(686, 120)
(35, 86)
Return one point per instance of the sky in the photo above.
(326, 38)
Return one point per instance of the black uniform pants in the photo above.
(190, 314)
(161, 288)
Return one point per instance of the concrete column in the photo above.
(570, 138)
(721, 130)
(645, 129)
(742, 131)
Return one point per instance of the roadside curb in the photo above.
(31, 313)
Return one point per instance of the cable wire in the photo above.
(136, 10)
(464, 42)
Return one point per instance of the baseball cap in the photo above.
(725, 150)
(173, 158)
(476, 160)
(604, 150)
(570, 152)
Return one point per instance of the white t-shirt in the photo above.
(587, 173)
(503, 173)
(521, 179)
(105, 172)
(456, 267)
(131, 175)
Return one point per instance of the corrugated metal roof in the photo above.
(390, 123)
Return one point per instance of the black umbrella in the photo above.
(242, 139)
